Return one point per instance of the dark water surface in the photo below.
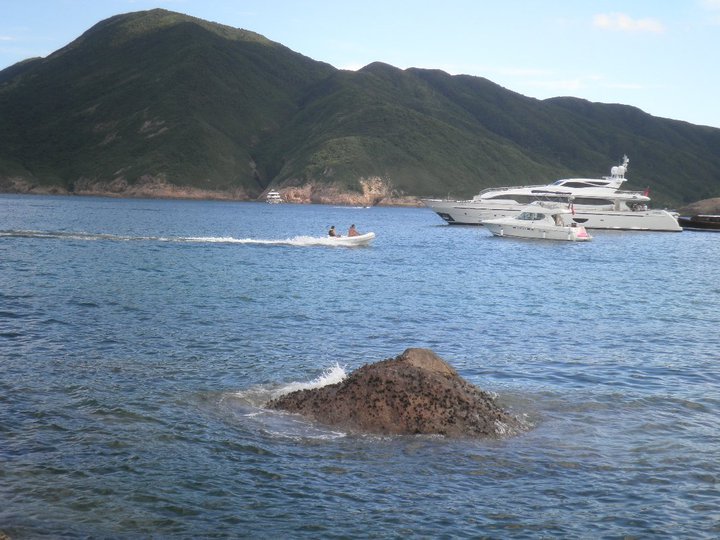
(139, 340)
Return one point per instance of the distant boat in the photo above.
(539, 221)
(701, 222)
(273, 197)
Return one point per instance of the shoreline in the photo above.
(292, 195)
(373, 193)
(200, 195)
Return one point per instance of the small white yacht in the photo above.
(598, 202)
(273, 197)
(544, 221)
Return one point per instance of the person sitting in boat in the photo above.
(332, 232)
(352, 231)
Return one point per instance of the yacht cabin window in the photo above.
(584, 184)
(592, 201)
(527, 199)
(530, 216)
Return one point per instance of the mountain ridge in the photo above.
(157, 103)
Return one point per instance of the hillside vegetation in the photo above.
(160, 103)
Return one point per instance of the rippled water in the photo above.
(139, 340)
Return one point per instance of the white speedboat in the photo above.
(542, 221)
(361, 240)
(598, 202)
(273, 197)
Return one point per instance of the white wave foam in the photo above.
(226, 240)
(248, 406)
(295, 241)
(258, 396)
(331, 375)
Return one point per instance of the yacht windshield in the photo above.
(530, 216)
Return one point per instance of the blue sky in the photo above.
(658, 55)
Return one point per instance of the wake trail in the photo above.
(299, 241)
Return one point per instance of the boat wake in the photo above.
(298, 241)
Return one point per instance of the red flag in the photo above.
(646, 192)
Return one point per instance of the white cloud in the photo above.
(713, 7)
(624, 23)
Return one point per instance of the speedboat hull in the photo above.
(351, 241)
(514, 229)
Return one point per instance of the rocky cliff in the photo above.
(706, 206)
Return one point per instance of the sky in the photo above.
(662, 56)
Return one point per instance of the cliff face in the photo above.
(375, 192)
(414, 393)
(706, 206)
(157, 187)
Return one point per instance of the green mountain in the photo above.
(151, 94)
(161, 103)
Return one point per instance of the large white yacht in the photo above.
(597, 203)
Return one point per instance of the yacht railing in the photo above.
(626, 193)
(615, 194)
(508, 188)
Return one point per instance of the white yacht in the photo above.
(273, 197)
(544, 221)
(598, 203)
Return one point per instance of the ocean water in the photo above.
(139, 340)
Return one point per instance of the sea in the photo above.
(140, 340)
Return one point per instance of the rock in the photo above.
(706, 206)
(414, 393)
